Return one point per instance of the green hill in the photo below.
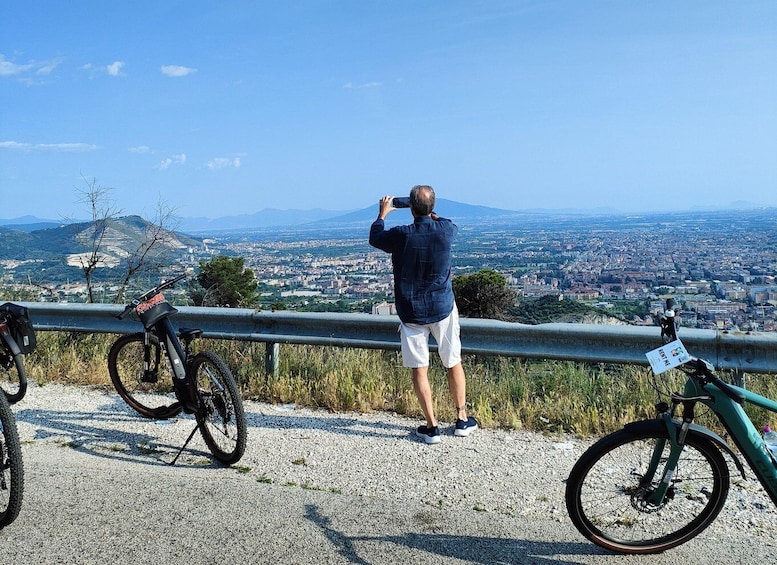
(54, 255)
(122, 236)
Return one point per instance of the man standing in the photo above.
(423, 292)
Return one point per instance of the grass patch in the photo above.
(539, 395)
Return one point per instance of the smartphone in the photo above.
(401, 202)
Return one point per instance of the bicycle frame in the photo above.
(8, 342)
(732, 416)
(179, 362)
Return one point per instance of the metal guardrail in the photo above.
(753, 352)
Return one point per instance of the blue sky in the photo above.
(223, 108)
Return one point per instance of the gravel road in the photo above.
(313, 487)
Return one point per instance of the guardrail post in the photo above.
(271, 358)
(738, 376)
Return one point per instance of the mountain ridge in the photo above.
(318, 217)
(121, 236)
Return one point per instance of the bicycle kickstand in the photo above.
(191, 435)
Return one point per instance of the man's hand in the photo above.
(386, 206)
(434, 216)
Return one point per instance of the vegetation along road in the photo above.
(313, 487)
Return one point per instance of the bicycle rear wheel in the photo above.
(147, 390)
(11, 468)
(13, 376)
(607, 497)
(220, 416)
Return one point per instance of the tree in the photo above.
(484, 294)
(224, 281)
(102, 211)
(146, 256)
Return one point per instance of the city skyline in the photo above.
(226, 110)
(720, 266)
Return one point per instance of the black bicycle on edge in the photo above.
(11, 469)
(143, 366)
(17, 339)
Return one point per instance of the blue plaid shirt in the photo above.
(421, 256)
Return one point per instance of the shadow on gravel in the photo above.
(344, 426)
(94, 433)
(472, 549)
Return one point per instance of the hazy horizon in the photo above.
(334, 213)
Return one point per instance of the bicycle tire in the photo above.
(13, 376)
(220, 415)
(125, 364)
(606, 501)
(11, 466)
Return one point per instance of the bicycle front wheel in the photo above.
(143, 378)
(13, 377)
(607, 494)
(220, 415)
(11, 468)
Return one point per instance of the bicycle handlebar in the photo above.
(669, 325)
(148, 294)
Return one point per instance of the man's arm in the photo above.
(385, 207)
(378, 234)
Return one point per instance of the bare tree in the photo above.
(145, 257)
(102, 211)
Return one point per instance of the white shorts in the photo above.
(415, 341)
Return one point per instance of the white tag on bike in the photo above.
(671, 355)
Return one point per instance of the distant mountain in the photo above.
(319, 218)
(30, 223)
(267, 218)
(123, 236)
(444, 208)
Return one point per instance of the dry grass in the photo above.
(547, 396)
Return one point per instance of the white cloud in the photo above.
(363, 85)
(221, 162)
(139, 149)
(47, 67)
(176, 71)
(114, 69)
(9, 68)
(66, 146)
(173, 160)
(14, 145)
(59, 147)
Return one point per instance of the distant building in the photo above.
(384, 309)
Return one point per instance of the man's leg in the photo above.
(457, 384)
(424, 394)
(415, 354)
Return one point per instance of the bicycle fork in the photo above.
(657, 496)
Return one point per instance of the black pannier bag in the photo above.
(18, 319)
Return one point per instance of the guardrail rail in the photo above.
(740, 352)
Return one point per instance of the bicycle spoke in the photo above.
(611, 500)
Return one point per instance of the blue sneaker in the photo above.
(429, 435)
(465, 427)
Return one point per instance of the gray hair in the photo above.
(422, 199)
